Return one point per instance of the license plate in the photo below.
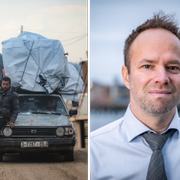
(29, 144)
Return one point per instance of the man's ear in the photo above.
(125, 76)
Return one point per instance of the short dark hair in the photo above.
(6, 79)
(159, 20)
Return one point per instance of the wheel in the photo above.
(69, 155)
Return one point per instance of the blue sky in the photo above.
(111, 21)
(65, 20)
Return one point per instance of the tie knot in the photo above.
(157, 141)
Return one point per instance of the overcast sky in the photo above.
(65, 20)
(111, 21)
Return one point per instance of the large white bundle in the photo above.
(35, 63)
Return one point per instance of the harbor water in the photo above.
(103, 117)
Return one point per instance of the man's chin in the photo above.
(4, 89)
(160, 109)
(162, 102)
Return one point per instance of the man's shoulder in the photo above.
(107, 128)
(14, 94)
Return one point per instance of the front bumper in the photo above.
(9, 145)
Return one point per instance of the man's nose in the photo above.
(161, 76)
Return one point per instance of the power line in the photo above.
(78, 38)
(75, 41)
(73, 38)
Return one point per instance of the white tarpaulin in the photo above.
(74, 85)
(35, 63)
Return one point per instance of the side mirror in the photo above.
(73, 112)
(75, 104)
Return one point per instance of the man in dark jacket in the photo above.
(9, 104)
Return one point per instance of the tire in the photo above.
(69, 155)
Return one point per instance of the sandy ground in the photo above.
(45, 167)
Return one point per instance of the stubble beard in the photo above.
(4, 89)
(158, 107)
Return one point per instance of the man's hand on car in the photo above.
(11, 124)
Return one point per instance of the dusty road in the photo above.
(49, 167)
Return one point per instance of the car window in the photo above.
(41, 104)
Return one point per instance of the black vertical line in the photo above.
(27, 60)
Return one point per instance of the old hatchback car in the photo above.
(42, 126)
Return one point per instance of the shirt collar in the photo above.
(134, 127)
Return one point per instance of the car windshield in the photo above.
(41, 105)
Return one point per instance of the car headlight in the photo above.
(7, 131)
(60, 131)
(69, 131)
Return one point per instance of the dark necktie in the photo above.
(156, 170)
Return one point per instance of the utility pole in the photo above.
(21, 28)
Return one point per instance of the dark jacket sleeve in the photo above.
(14, 107)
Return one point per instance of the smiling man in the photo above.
(145, 143)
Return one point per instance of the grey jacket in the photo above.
(9, 104)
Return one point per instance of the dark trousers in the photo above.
(3, 122)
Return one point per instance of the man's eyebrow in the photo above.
(154, 61)
(174, 62)
(147, 61)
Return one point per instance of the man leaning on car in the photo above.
(9, 103)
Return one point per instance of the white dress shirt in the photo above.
(118, 152)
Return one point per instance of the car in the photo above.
(42, 126)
